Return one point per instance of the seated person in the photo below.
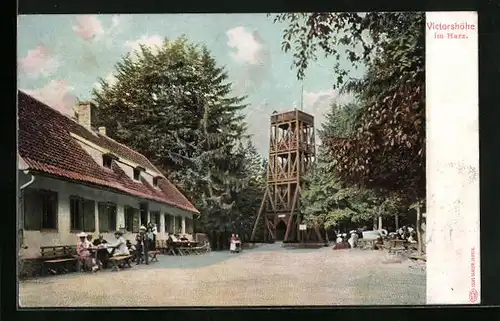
(102, 253)
(119, 247)
(132, 249)
(84, 254)
(341, 246)
(100, 240)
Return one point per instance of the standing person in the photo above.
(142, 245)
(151, 237)
(232, 244)
(237, 242)
(155, 232)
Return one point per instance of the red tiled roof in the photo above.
(45, 145)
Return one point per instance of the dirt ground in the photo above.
(268, 275)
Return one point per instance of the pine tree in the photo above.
(175, 107)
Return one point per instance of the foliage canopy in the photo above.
(174, 105)
(388, 150)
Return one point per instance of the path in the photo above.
(264, 276)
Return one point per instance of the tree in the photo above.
(388, 149)
(175, 107)
(247, 202)
(326, 199)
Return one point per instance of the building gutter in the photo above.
(21, 230)
(27, 172)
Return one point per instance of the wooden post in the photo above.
(258, 215)
(419, 234)
(289, 225)
(396, 220)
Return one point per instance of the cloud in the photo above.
(91, 29)
(153, 42)
(57, 94)
(40, 61)
(252, 53)
(88, 27)
(110, 79)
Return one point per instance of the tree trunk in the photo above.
(380, 222)
(419, 232)
(375, 224)
(396, 220)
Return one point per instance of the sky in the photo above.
(62, 57)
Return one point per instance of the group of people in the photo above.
(145, 241)
(235, 244)
(350, 240)
(346, 241)
(104, 250)
(407, 233)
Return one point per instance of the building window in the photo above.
(189, 226)
(178, 224)
(137, 174)
(107, 161)
(155, 181)
(107, 217)
(131, 219)
(168, 223)
(82, 214)
(155, 218)
(40, 209)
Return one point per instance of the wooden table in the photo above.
(181, 247)
(95, 250)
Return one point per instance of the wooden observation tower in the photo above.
(291, 154)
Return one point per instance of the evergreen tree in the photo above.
(175, 107)
(327, 200)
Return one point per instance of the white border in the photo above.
(453, 270)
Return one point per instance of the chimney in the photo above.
(83, 114)
(102, 131)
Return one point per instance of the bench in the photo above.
(58, 258)
(120, 261)
(397, 245)
(152, 255)
(161, 245)
(367, 244)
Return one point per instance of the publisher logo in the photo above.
(473, 294)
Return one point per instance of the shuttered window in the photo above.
(40, 209)
(82, 214)
(131, 219)
(189, 225)
(107, 217)
(155, 218)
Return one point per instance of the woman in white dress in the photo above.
(353, 240)
(232, 244)
(120, 246)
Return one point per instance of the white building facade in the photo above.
(73, 179)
